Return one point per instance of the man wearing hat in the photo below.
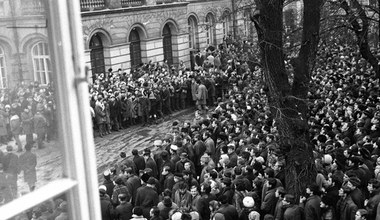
(106, 206)
(174, 158)
(108, 183)
(150, 163)
(180, 165)
(355, 193)
(147, 197)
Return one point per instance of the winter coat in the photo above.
(124, 211)
(140, 162)
(107, 111)
(11, 163)
(229, 212)
(312, 208)
(194, 90)
(27, 122)
(202, 95)
(183, 201)
(106, 208)
(39, 123)
(203, 206)
(28, 163)
(15, 123)
(100, 114)
(293, 212)
(210, 146)
(268, 204)
(346, 209)
(3, 124)
(133, 183)
(150, 163)
(146, 198)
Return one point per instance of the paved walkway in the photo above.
(137, 137)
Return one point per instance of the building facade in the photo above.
(116, 34)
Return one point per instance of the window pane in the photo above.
(32, 147)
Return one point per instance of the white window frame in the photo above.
(3, 69)
(210, 29)
(79, 178)
(226, 23)
(41, 63)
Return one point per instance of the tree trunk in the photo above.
(361, 31)
(292, 125)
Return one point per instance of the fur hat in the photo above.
(248, 202)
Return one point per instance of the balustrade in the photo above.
(164, 1)
(131, 3)
(90, 5)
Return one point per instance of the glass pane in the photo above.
(57, 207)
(31, 153)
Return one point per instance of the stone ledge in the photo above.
(133, 9)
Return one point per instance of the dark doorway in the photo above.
(167, 44)
(97, 55)
(135, 48)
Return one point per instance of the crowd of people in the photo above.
(226, 163)
(27, 111)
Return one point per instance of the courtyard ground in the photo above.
(108, 148)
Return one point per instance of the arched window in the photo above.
(41, 63)
(226, 22)
(3, 71)
(210, 35)
(193, 31)
(97, 55)
(167, 44)
(135, 48)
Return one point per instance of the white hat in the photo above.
(157, 143)
(174, 147)
(248, 202)
(103, 187)
(327, 159)
(106, 173)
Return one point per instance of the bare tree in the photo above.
(289, 102)
(359, 23)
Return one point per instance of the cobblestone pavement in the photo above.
(137, 137)
(49, 160)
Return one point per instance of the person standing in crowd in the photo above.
(100, 116)
(202, 96)
(16, 129)
(27, 124)
(11, 169)
(28, 163)
(40, 124)
(311, 204)
(124, 210)
(147, 197)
